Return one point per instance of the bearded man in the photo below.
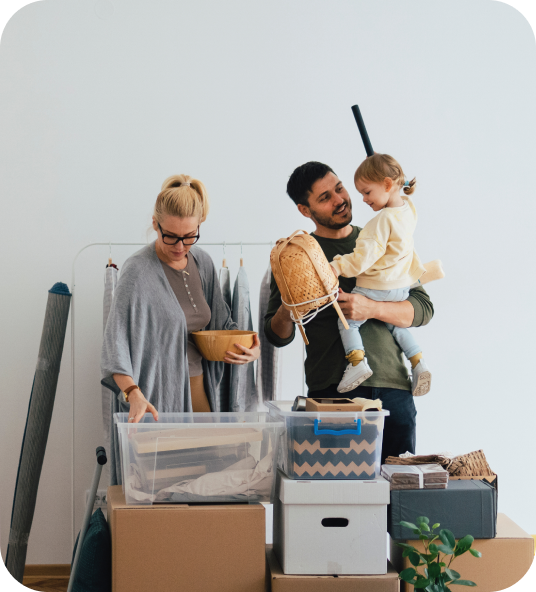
(320, 195)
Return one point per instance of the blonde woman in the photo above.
(167, 290)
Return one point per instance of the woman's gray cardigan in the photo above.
(146, 338)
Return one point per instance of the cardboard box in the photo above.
(323, 404)
(195, 548)
(277, 581)
(331, 527)
(465, 507)
(505, 559)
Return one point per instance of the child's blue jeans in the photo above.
(351, 338)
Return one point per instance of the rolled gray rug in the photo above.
(37, 427)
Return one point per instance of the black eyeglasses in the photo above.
(169, 239)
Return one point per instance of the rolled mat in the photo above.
(37, 427)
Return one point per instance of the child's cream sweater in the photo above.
(383, 258)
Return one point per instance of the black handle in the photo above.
(362, 130)
(101, 456)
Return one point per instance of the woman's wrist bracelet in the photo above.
(128, 390)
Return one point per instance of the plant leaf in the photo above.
(422, 519)
(415, 559)
(453, 575)
(468, 539)
(475, 553)
(432, 548)
(408, 525)
(421, 583)
(408, 574)
(417, 531)
(433, 571)
(405, 546)
(436, 525)
(463, 583)
(425, 527)
(423, 537)
(447, 538)
(445, 549)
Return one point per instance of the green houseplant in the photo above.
(438, 574)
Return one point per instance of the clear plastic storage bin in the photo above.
(329, 445)
(199, 457)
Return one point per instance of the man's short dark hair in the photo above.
(303, 178)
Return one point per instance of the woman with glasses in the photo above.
(167, 290)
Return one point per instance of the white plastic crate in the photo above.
(198, 457)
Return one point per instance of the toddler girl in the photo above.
(384, 264)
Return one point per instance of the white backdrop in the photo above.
(100, 101)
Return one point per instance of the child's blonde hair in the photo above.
(182, 196)
(377, 167)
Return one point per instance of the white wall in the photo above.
(96, 110)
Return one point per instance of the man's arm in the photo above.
(278, 326)
(416, 311)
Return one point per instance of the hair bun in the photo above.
(175, 181)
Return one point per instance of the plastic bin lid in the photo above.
(284, 409)
(334, 491)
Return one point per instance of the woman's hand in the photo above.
(249, 355)
(139, 406)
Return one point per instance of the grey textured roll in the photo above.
(37, 427)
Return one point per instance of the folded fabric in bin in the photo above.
(429, 476)
(465, 507)
(245, 481)
(320, 452)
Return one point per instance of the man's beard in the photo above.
(328, 221)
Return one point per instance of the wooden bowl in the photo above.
(214, 344)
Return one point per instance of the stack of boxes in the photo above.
(467, 506)
(188, 515)
(330, 508)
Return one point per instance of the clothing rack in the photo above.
(73, 301)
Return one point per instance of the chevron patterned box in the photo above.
(329, 445)
(331, 527)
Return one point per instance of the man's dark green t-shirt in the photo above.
(325, 362)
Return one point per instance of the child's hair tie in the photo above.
(406, 184)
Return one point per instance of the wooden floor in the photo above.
(46, 584)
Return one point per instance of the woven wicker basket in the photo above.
(304, 277)
(465, 465)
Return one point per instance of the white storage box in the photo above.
(331, 527)
(329, 444)
(198, 457)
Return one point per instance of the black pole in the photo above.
(362, 130)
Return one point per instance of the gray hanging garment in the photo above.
(269, 370)
(243, 396)
(110, 281)
(224, 387)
